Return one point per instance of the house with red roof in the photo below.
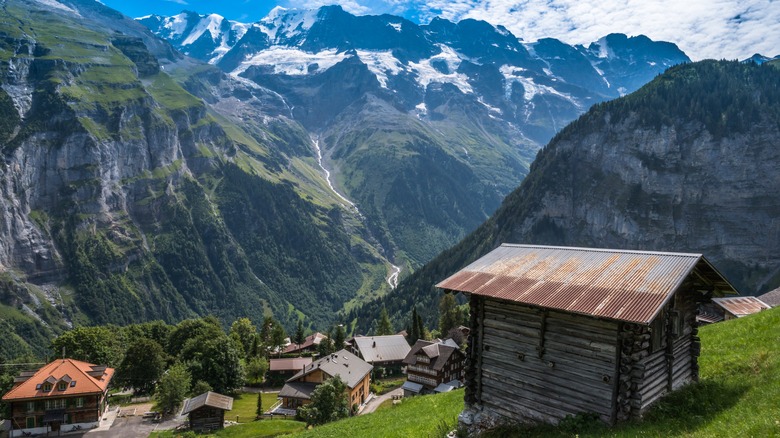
(63, 395)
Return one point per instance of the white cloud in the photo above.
(727, 29)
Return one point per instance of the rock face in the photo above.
(685, 164)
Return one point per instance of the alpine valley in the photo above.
(169, 167)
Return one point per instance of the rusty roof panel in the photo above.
(613, 284)
(741, 306)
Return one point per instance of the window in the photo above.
(30, 406)
(46, 387)
(657, 338)
(58, 403)
(62, 386)
(80, 402)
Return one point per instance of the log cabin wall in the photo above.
(531, 364)
(670, 361)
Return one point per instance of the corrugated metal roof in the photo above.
(741, 306)
(208, 398)
(390, 348)
(615, 284)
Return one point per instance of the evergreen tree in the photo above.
(278, 338)
(449, 314)
(259, 408)
(385, 327)
(299, 337)
(338, 338)
(414, 330)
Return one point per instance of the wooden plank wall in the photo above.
(543, 365)
(679, 354)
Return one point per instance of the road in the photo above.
(378, 400)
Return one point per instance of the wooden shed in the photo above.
(558, 331)
(206, 412)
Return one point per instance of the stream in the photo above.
(392, 279)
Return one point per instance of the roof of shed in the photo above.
(389, 348)
(614, 284)
(772, 297)
(741, 306)
(342, 363)
(211, 399)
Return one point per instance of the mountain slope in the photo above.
(127, 198)
(423, 101)
(687, 163)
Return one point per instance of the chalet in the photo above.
(387, 352)
(279, 370)
(63, 395)
(559, 331)
(737, 307)
(309, 345)
(431, 364)
(206, 412)
(772, 298)
(354, 371)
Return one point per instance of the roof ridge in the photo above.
(606, 250)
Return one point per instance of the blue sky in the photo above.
(721, 29)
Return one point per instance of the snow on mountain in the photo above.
(287, 23)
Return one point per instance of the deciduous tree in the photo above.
(329, 402)
(142, 366)
(173, 388)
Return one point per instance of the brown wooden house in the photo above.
(206, 412)
(354, 371)
(433, 363)
(737, 307)
(559, 331)
(65, 395)
(385, 352)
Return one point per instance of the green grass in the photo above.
(413, 417)
(170, 94)
(245, 406)
(738, 394)
(262, 428)
(386, 385)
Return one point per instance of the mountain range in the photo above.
(399, 109)
(279, 167)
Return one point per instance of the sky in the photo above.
(720, 29)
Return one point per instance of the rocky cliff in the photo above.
(688, 163)
(125, 197)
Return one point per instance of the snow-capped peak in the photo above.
(281, 22)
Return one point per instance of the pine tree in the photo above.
(338, 338)
(449, 315)
(259, 409)
(385, 326)
(414, 332)
(299, 337)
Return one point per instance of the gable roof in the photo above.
(772, 297)
(438, 352)
(301, 390)
(289, 364)
(342, 363)
(88, 378)
(211, 399)
(389, 348)
(614, 284)
(312, 340)
(741, 306)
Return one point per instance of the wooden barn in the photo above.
(206, 412)
(559, 331)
